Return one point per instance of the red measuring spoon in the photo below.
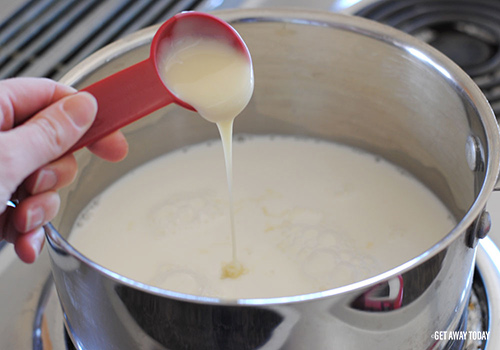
(138, 90)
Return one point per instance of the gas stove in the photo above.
(48, 37)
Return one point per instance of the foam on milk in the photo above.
(311, 215)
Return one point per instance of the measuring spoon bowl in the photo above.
(138, 90)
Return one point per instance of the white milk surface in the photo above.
(309, 216)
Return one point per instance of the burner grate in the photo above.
(467, 31)
(45, 38)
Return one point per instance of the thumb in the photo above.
(49, 134)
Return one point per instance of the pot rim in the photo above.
(425, 53)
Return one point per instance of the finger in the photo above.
(34, 212)
(20, 98)
(5, 223)
(113, 147)
(47, 135)
(53, 176)
(28, 246)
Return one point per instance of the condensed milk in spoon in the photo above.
(139, 90)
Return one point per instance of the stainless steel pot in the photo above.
(326, 76)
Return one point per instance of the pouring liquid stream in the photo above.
(217, 80)
(233, 269)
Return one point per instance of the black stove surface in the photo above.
(467, 31)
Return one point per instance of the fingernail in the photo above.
(81, 108)
(37, 242)
(46, 180)
(34, 218)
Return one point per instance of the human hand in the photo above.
(40, 120)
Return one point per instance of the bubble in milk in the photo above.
(186, 211)
(88, 213)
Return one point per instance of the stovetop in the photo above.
(48, 37)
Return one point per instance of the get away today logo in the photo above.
(461, 335)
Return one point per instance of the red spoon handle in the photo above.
(123, 98)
